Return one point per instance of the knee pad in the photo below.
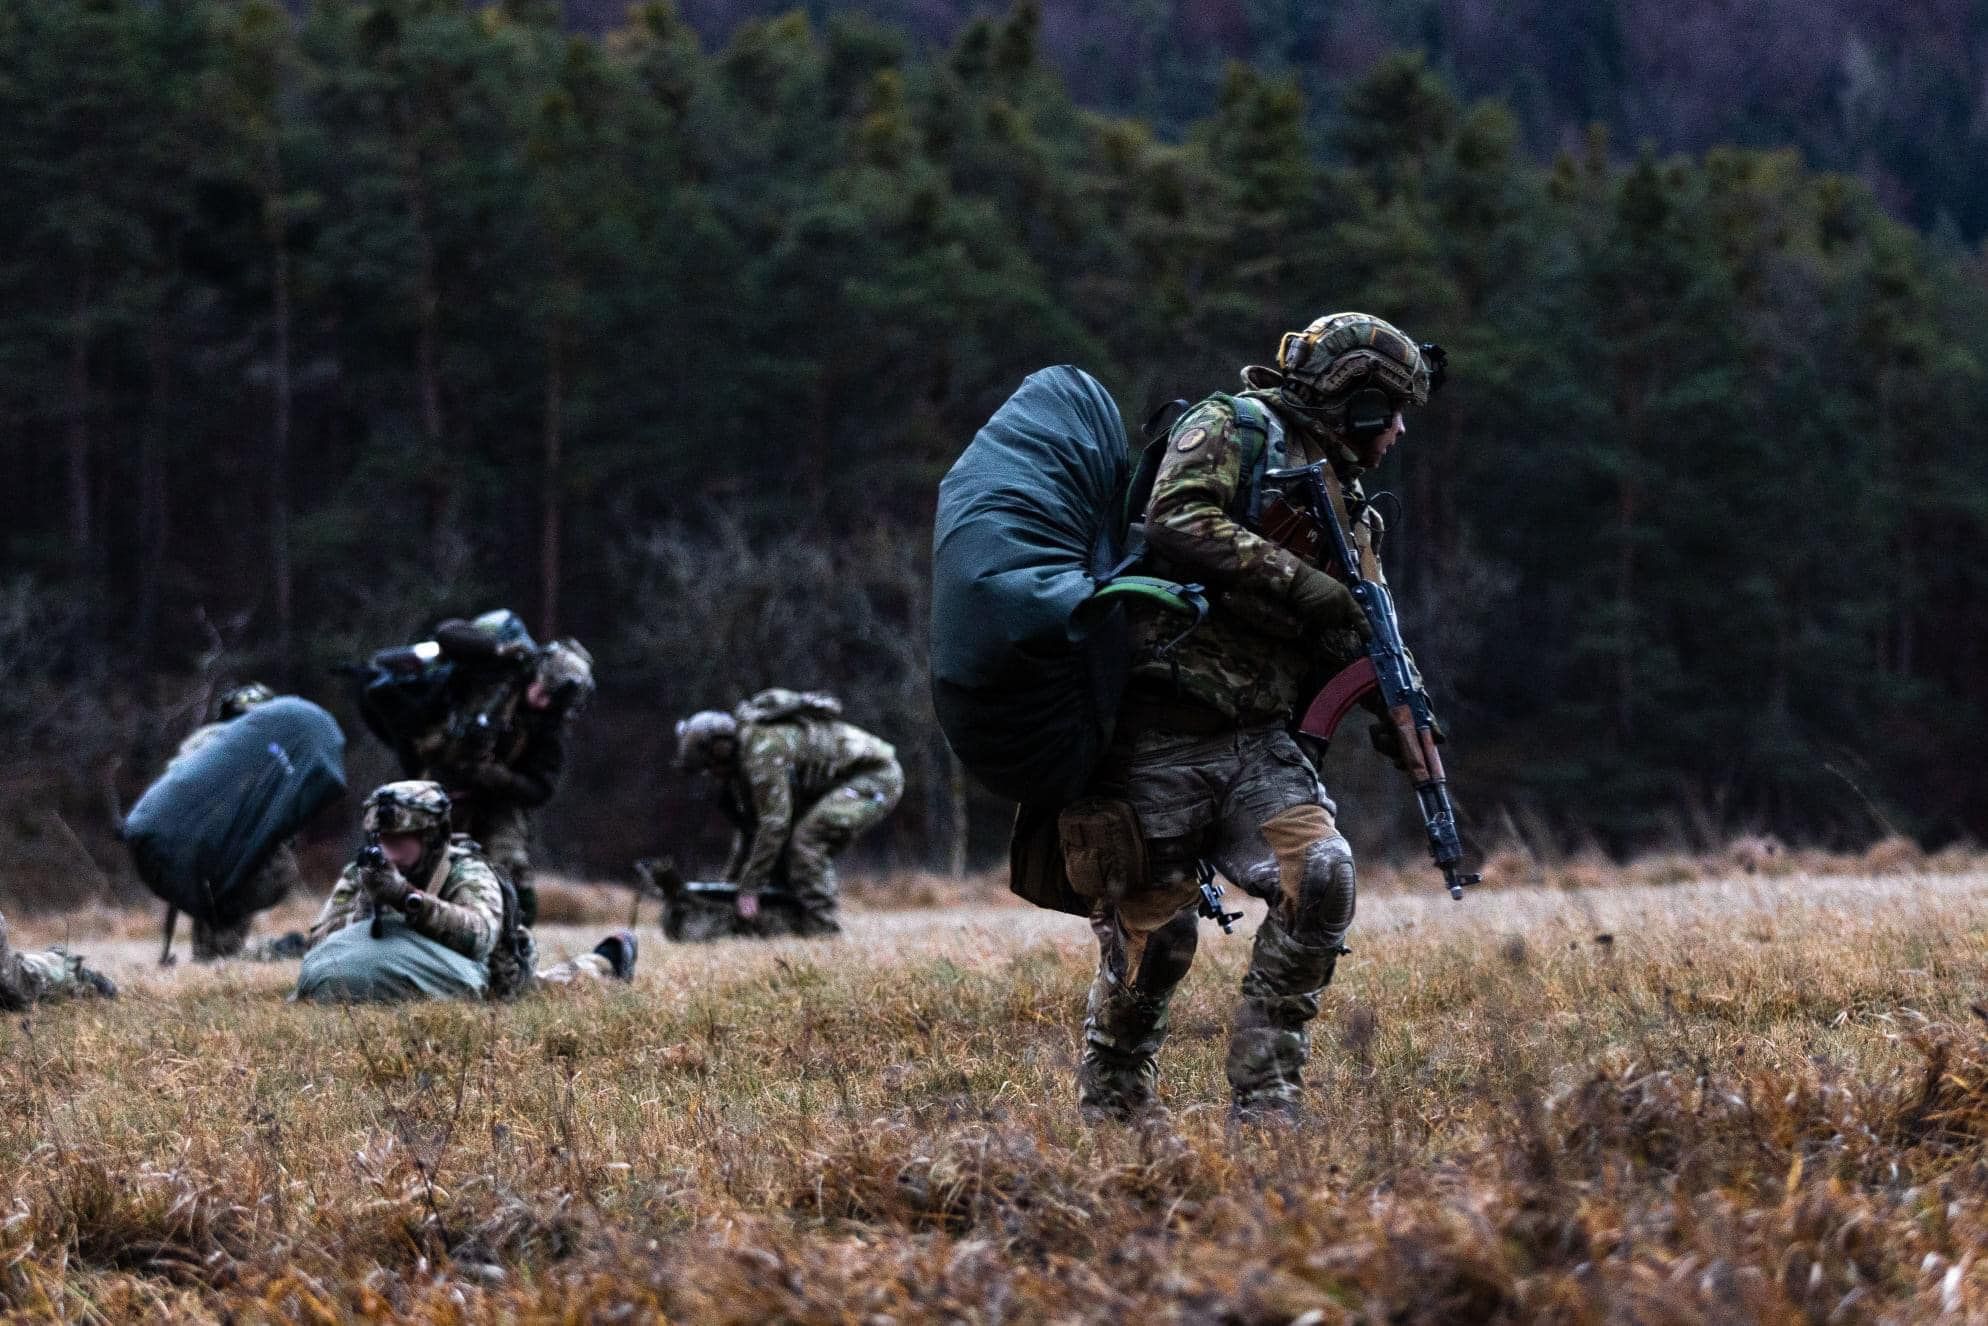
(1315, 873)
(1326, 895)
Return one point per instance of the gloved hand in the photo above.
(1386, 739)
(1327, 605)
(386, 887)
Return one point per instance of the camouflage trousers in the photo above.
(504, 831)
(824, 830)
(1250, 803)
(514, 974)
(29, 978)
(273, 883)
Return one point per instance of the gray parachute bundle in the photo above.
(352, 966)
(202, 831)
(1030, 549)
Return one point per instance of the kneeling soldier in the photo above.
(800, 784)
(421, 913)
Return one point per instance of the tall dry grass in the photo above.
(1756, 1098)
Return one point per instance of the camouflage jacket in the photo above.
(492, 745)
(1251, 660)
(784, 768)
(465, 910)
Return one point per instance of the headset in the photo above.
(1368, 412)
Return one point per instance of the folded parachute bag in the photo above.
(202, 831)
(1030, 644)
(351, 967)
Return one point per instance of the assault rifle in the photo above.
(374, 857)
(1304, 516)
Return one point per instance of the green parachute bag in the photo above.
(201, 833)
(1031, 552)
(350, 966)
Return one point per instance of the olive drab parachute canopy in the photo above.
(201, 833)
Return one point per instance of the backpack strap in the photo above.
(1190, 601)
(1263, 449)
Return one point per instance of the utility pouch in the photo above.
(1035, 863)
(1104, 853)
(1295, 530)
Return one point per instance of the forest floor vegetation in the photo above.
(1648, 1094)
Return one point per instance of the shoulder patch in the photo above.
(1191, 439)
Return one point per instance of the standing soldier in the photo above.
(501, 744)
(279, 874)
(421, 913)
(29, 978)
(800, 783)
(1203, 752)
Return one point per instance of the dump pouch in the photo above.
(1104, 853)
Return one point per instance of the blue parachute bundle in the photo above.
(1030, 521)
(202, 831)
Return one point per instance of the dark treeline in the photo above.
(315, 327)
(1892, 93)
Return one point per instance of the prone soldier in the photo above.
(421, 913)
(278, 876)
(29, 978)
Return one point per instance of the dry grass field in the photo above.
(1575, 1097)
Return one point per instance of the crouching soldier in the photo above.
(29, 978)
(800, 784)
(422, 914)
(502, 743)
(278, 876)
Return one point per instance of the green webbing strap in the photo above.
(1189, 600)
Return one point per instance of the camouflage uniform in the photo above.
(29, 978)
(1204, 756)
(278, 876)
(807, 786)
(463, 907)
(499, 757)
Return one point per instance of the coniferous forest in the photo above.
(319, 323)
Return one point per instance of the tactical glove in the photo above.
(1327, 605)
(1386, 738)
(386, 888)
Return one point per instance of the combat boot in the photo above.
(1118, 1078)
(619, 949)
(91, 983)
(1272, 1038)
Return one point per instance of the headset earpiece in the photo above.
(1369, 411)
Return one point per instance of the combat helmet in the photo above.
(698, 737)
(411, 806)
(566, 670)
(230, 705)
(1350, 367)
